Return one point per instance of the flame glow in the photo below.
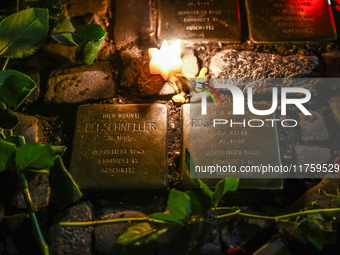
(166, 60)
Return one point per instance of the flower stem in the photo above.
(4, 64)
(2, 134)
(29, 204)
(281, 217)
(237, 212)
(102, 222)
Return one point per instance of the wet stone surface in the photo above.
(273, 247)
(249, 64)
(105, 236)
(72, 240)
(311, 155)
(39, 191)
(29, 127)
(313, 127)
(81, 83)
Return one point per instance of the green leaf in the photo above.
(141, 234)
(89, 33)
(23, 33)
(15, 87)
(64, 190)
(179, 205)
(161, 216)
(198, 183)
(18, 140)
(34, 155)
(89, 52)
(222, 187)
(317, 230)
(200, 202)
(58, 150)
(8, 119)
(62, 33)
(89, 38)
(7, 151)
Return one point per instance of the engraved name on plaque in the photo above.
(290, 20)
(120, 146)
(199, 20)
(237, 146)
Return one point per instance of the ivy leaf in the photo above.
(317, 230)
(34, 155)
(200, 202)
(198, 182)
(62, 33)
(8, 119)
(64, 190)
(222, 187)
(179, 205)
(15, 87)
(7, 151)
(141, 234)
(161, 216)
(23, 33)
(89, 38)
(88, 33)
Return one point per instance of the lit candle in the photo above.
(166, 60)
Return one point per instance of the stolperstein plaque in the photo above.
(290, 20)
(120, 147)
(199, 20)
(236, 146)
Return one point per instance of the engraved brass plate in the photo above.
(120, 146)
(290, 20)
(241, 146)
(199, 20)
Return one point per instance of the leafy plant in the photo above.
(191, 217)
(22, 34)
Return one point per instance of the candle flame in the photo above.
(166, 60)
